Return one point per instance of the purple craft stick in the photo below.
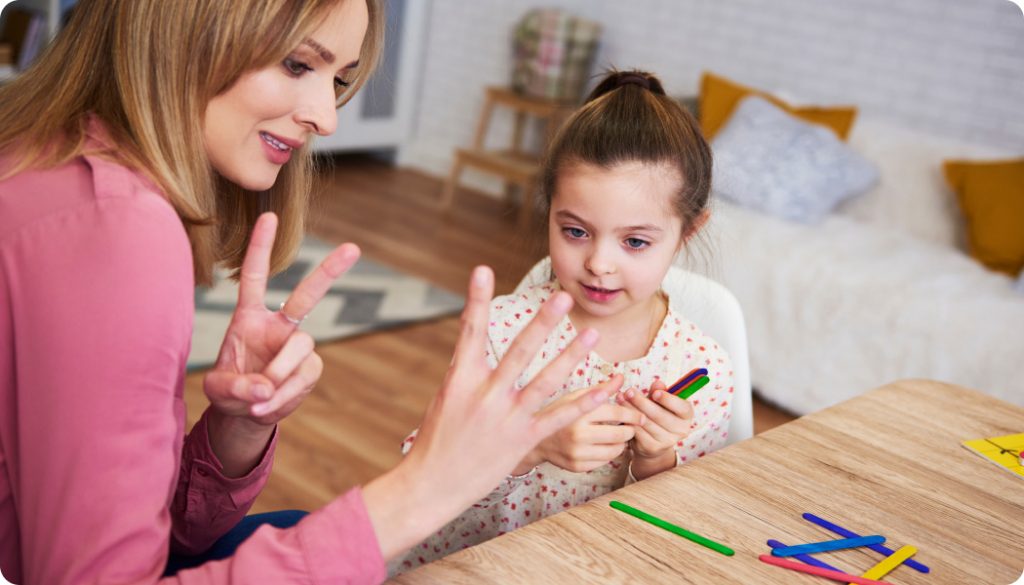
(806, 558)
(881, 548)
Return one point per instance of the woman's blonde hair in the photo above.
(148, 69)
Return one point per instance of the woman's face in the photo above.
(251, 129)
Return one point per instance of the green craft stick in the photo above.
(672, 528)
(688, 392)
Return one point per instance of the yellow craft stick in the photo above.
(889, 563)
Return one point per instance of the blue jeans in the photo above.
(227, 544)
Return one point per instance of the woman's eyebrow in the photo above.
(326, 55)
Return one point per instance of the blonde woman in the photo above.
(153, 140)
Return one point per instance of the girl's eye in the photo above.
(296, 68)
(575, 232)
(636, 243)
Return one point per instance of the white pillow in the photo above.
(912, 195)
(768, 160)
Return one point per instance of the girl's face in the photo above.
(251, 129)
(613, 234)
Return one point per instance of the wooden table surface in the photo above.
(888, 462)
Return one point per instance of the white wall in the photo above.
(953, 67)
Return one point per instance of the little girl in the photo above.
(626, 182)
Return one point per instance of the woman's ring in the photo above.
(291, 320)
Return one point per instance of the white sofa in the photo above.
(881, 290)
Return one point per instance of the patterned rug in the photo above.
(369, 297)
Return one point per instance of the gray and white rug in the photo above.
(368, 297)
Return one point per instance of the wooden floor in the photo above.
(376, 387)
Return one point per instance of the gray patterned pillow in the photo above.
(771, 161)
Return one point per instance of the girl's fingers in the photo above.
(298, 385)
(526, 345)
(655, 412)
(313, 288)
(252, 284)
(470, 347)
(563, 414)
(295, 350)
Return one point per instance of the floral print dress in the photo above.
(678, 347)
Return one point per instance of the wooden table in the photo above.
(888, 462)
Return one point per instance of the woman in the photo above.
(147, 145)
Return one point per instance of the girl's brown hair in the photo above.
(148, 69)
(628, 118)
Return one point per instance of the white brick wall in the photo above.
(952, 67)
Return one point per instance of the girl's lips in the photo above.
(600, 295)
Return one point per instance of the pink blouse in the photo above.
(97, 478)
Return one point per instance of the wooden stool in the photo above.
(517, 167)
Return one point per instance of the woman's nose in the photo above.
(319, 113)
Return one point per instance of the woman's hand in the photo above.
(478, 427)
(590, 442)
(668, 420)
(266, 365)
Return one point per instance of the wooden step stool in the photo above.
(516, 166)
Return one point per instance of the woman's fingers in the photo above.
(470, 347)
(563, 414)
(526, 345)
(252, 284)
(295, 350)
(553, 375)
(297, 385)
(226, 388)
(313, 288)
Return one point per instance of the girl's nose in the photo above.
(599, 263)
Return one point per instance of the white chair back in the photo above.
(716, 311)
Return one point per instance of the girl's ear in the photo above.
(695, 226)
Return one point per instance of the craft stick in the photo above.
(850, 534)
(827, 573)
(886, 565)
(672, 528)
(692, 389)
(805, 558)
(689, 377)
(828, 545)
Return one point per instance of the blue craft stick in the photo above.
(828, 545)
(806, 558)
(850, 534)
(682, 382)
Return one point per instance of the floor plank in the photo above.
(375, 387)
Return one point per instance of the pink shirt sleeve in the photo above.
(96, 477)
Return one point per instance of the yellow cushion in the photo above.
(719, 97)
(991, 196)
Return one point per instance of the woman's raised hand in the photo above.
(266, 365)
(479, 427)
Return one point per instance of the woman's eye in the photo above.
(340, 83)
(573, 232)
(636, 243)
(296, 67)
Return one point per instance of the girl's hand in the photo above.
(668, 422)
(479, 427)
(590, 442)
(266, 365)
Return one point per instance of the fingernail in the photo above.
(589, 337)
(601, 397)
(480, 275)
(562, 302)
(262, 391)
(630, 393)
(261, 408)
(656, 394)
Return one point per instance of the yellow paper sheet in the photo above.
(1003, 451)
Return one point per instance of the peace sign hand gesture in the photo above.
(267, 366)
